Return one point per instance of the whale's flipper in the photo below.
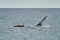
(40, 23)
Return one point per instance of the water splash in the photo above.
(46, 25)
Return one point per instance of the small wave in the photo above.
(31, 25)
(46, 25)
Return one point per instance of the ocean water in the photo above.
(50, 29)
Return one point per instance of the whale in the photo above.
(40, 23)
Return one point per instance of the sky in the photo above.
(29, 3)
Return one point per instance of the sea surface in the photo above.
(30, 17)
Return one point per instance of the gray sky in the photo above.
(29, 3)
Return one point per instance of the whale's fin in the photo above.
(40, 23)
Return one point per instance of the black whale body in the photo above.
(19, 26)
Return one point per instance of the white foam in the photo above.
(31, 25)
(46, 25)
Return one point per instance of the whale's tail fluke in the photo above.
(40, 23)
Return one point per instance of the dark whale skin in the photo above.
(19, 26)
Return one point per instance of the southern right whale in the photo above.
(40, 23)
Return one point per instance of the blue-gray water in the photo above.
(50, 29)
